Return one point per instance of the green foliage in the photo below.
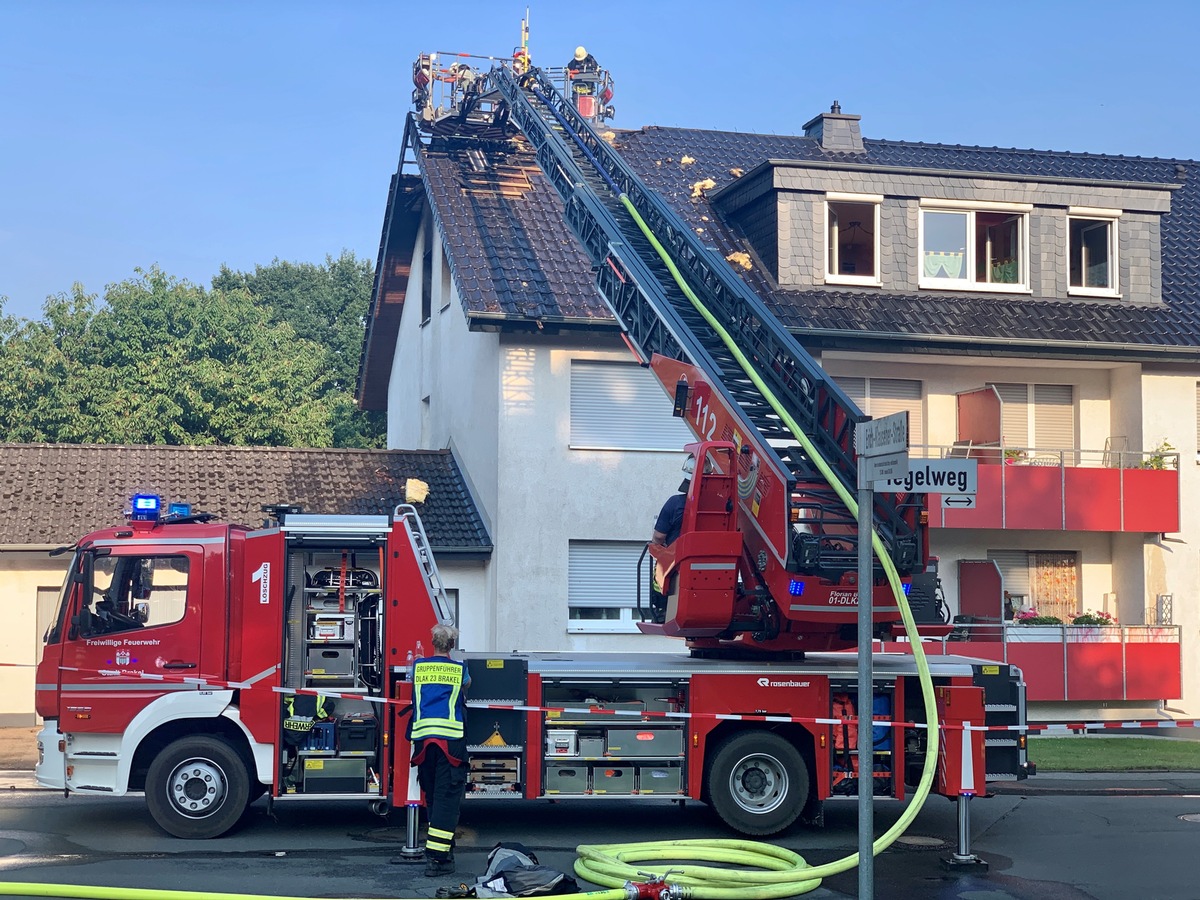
(328, 306)
(161, 362)
(262, 359)
(1161, 457)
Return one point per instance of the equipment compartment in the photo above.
(335, 776)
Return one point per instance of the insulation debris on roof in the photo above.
(740, 259)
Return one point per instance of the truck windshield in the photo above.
(130, 592)
(54, 630)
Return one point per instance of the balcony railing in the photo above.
(1077, 662)
(1061, 489)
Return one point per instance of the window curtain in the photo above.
(1055, 585)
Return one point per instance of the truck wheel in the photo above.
(757, 783)
(198, 787)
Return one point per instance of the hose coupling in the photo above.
(657, 888)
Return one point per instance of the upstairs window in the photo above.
(879, 397)
(852, 239)
(1092, 250)
(621, 406)
(975, 249)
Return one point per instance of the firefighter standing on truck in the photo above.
(436, 730)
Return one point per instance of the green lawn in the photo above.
(1106, 754)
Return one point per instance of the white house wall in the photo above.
(550, 494)
(22, 573)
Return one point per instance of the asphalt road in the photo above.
(1066, 837)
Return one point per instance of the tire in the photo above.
(757, 783)
(198, 788)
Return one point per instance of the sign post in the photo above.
(882, 448)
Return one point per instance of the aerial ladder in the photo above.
(761, 498)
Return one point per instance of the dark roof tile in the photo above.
(55, 493)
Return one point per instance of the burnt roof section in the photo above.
(511, 253)
(55, 493)
(1092, 327)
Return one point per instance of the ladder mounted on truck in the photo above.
(798, 563)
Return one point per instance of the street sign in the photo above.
(958, 501)
(936, 476)
(882, 437)
(872, 469)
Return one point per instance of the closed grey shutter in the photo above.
(1014, 571)
(855, 389)
(1014, 414)
(604, 573)
(621, 406)
(1053, 417)
(893, 395)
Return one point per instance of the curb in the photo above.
(19, 780)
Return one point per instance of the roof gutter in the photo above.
(1068, 348)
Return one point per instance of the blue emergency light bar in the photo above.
(145, 508)
(179, 509)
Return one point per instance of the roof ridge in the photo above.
(223, 448)
(1123, 157)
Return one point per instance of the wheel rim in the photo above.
(197, 787)
(758, 783)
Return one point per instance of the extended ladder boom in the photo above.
(590, 176)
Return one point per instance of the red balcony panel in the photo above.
(1042, 664)
(1151, 499)
(988, 511)
(1095, 671)
(1079, 663)
(1033, 497)
(1093, 499)
(1153, 672)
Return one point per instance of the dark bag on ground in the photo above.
(513, 871)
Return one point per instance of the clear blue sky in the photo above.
(189, 134)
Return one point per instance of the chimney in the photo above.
(835, 132)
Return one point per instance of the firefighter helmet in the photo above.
(580, 54)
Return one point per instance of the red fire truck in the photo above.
(179, 642)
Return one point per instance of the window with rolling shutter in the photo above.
(621, 406)
(1046, 424)
(1047, 581)
(602, 585)
(1014, 574)
(1054, 416)
(1198, 419)
(879, 397)
(1014, 414)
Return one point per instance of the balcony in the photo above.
(1077, 663)
(1061, 490)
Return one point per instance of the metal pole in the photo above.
(412, 850)
(964, 827)
(866, 692)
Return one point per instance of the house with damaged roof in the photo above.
(1035, 311)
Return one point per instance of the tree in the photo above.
(326, 304)
(162, 362)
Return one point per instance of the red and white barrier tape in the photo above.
(567, 711)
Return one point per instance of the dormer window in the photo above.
(968, 246)
(1092, 250)
(852, 239)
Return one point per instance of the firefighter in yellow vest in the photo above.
(436, 730)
